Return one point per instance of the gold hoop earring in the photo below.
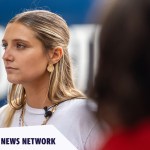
(50, 68)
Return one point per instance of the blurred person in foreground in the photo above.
(42, 92)
(122, 84)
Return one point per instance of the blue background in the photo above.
(73, 11)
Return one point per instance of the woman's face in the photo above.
(24, 56)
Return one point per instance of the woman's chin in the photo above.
(14, 81)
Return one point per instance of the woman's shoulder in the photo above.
(79, 110)
(79, 105)
(3, 113)
(74, 103)
(79, 117)
(2, 109)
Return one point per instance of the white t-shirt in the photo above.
(73, 118)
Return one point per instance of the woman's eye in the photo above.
(4, 45)
(20, 46)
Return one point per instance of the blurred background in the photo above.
(79, 14)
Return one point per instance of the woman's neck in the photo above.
(37, 96)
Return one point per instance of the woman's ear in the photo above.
(56, 54)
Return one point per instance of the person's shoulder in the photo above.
(83, 104)
(80, 108)
(81, 112)
(2, 109)
(3, 113)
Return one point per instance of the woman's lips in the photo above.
(8, 69)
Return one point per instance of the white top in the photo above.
(73, 118)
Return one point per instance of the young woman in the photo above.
(42, 92)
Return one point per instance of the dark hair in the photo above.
(123, 78)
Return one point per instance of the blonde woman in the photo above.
(38, 66)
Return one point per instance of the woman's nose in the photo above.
(7, 56)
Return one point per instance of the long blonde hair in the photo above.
(52, 31)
